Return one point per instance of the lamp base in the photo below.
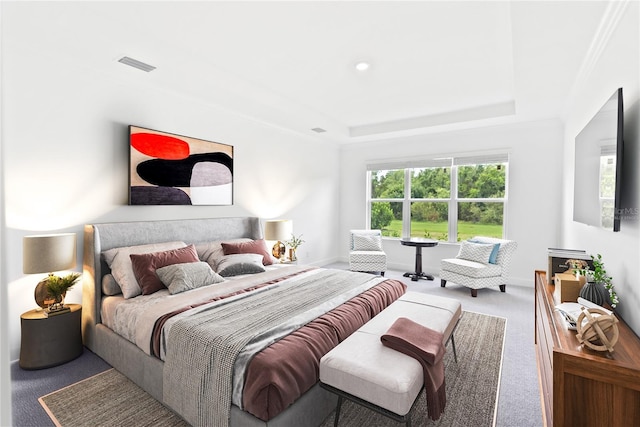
(42, 296)
(279, 250)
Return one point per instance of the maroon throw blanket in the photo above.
(424, 345)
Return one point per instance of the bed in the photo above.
(243, 351)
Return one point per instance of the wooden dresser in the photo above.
(580, 386)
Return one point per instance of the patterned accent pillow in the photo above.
(236, 264)
(493, 258)
(145, 266)
(478, 252)
(191, 275)
(367, 242)
(119, 262)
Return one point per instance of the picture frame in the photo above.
(171, 169)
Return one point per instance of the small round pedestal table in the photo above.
(418, 243)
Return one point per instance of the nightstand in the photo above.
(50, 341)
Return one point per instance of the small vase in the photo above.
(292, 254)
(594, 292)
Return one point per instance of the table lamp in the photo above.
(278, 229)
(46, 254)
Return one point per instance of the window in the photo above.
(445, 199)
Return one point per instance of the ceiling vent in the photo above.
(318, 130)
(136, 64)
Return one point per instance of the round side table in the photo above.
(419, 244)
(50, 341)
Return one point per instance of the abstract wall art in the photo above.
(169, 169)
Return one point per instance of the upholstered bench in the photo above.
(363, 370)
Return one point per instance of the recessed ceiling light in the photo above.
(362, 66)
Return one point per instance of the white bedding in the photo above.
(134, 318)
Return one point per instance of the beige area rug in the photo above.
(107, 399)
(472, 384)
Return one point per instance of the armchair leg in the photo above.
(442, 283)
(474, 293)
(382, 274)
(503, 288)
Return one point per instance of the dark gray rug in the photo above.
(110, 399)
(472, 384)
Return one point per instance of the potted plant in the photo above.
(294, 243)
(58, 286)
(598, 279)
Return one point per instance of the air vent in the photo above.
(136, 64)
(318, 130)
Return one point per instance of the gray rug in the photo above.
(472, 384)
(110, 399)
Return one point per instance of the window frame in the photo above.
(452, 162)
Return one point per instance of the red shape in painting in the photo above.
(160, 146)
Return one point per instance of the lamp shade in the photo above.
(48, 253)
(279, 229)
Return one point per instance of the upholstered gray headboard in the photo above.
(101, 237)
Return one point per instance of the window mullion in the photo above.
(453, 205)
(406, 205)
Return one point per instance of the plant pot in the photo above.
(292, 254)
(594, 292)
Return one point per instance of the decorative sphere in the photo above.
(597, 329)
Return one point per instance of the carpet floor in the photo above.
(110, 399)
(472, 384)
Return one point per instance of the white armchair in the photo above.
(365, 251)
(481, 263)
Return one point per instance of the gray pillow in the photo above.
(185, 276)
(110, 286)
(233, 265)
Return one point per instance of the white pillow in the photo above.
(478, 252)
(367, 242)
(120, 263)
(190, 275)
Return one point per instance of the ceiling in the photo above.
(434, 65)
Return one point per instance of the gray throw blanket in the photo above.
(202, 349)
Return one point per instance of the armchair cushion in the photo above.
(471, 268)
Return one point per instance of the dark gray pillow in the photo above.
(185, 276)
(233, 265)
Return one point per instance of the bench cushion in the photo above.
(471, 268)
(363, 367)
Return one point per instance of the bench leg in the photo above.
(337, 417)
(503, 288)
(453, 346)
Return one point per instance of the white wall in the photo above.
(616, 66)
(534, 188)
(65, 147)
